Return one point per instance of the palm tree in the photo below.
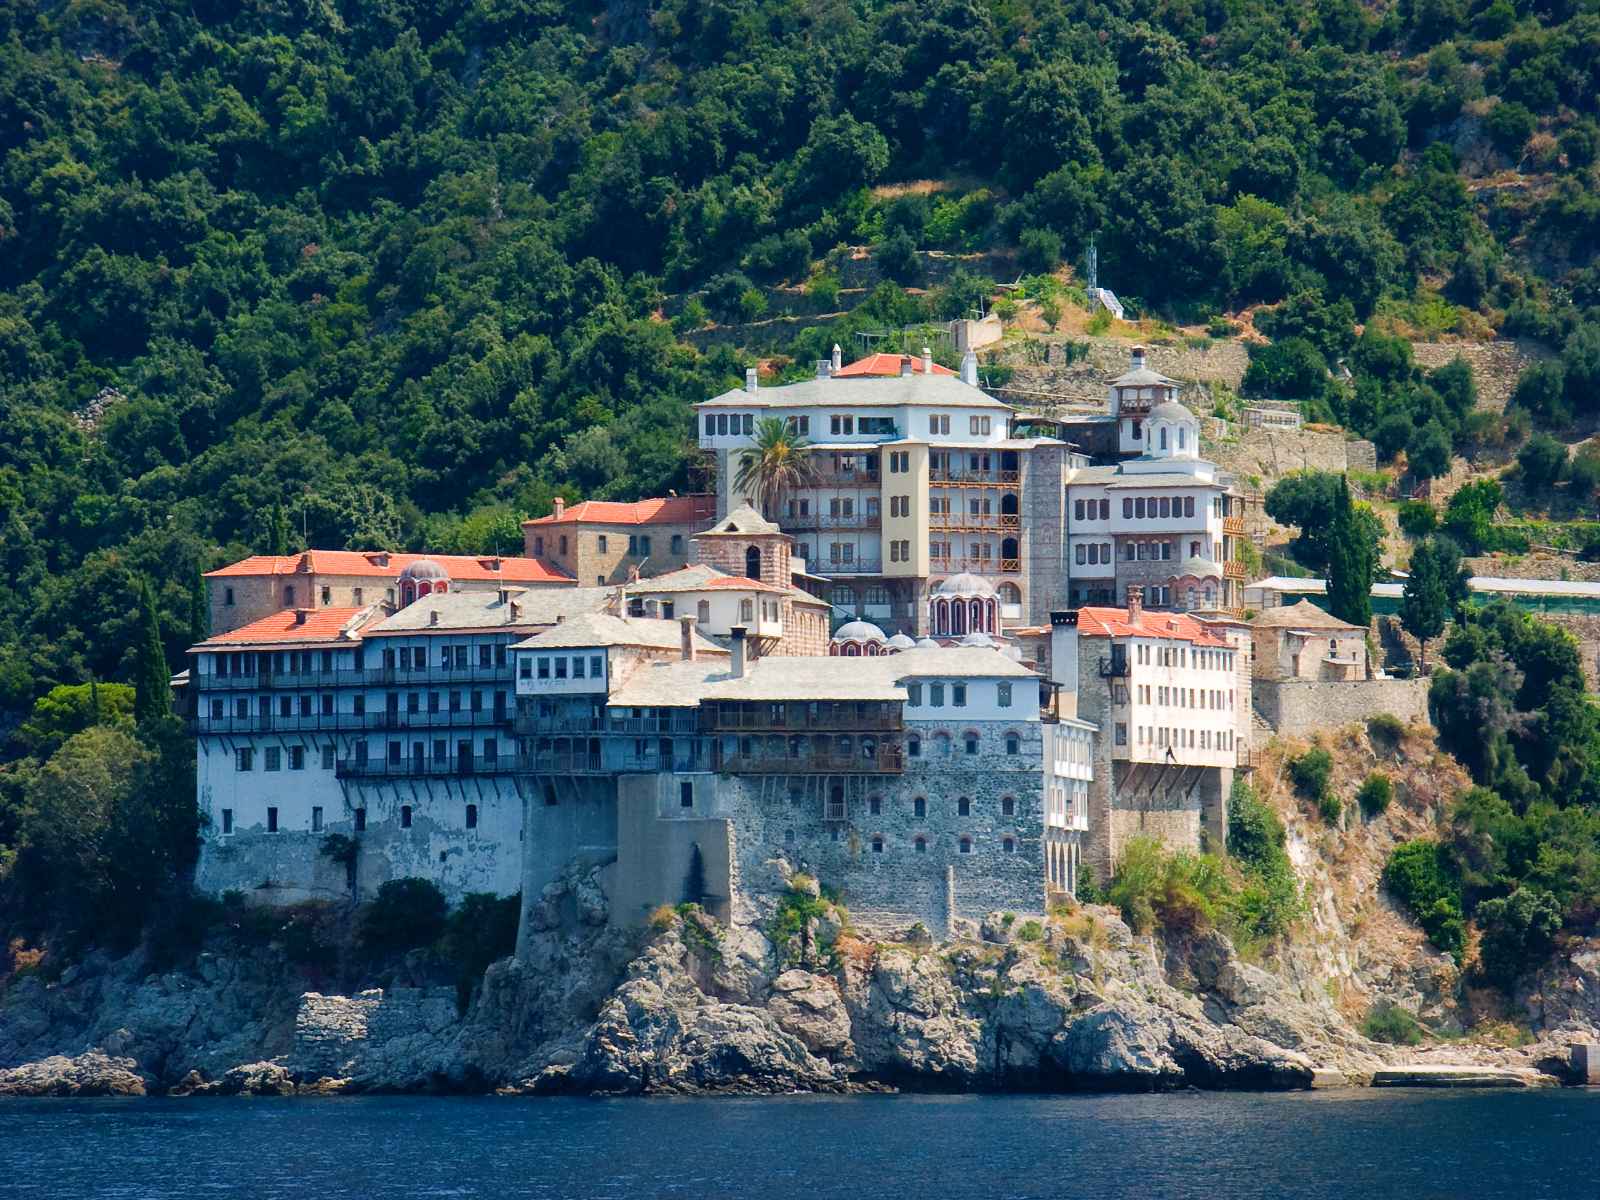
(777, 462)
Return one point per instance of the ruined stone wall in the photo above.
(887, 890)
(1297, 707)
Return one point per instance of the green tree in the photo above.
(199, 609)
(778, 461)
(68, 709)
(1425, 598)
(1352, 553)
(1518, 933)
(279, 530)
(152, 678)
(1543, 461)
(1428, 452)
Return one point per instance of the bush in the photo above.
(1583, 475)
(1311, 771)
(1331, 807)
(1040, 250)
(1030, 931)
(405, 914)
(1270, 899)
(898, 259)
(1182, 891)
(725, 293)
(1543, 461)
(1221, 327)
(1518, 933)
(824, 289)
(1390, 1023)
(482, 930)
(1417, 518)
(1376, 793)
(1421, 876)
(1509, 125)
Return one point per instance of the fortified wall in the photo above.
(1299, 707)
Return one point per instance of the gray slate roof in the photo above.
(946, 391)
(602, 629)
(486, 611)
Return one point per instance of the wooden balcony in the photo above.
(1004, 522)
(888, 759)
(978, 566)
(833, 521)
(970, 478)
(1233, 525)
(1233, 569)
(806, 717)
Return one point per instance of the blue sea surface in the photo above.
(1216, 1146)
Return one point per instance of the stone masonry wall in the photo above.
(1298, 707)
(887, 891)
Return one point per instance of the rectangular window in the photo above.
(288, 597)
(958, 695)
(360, 820)
(914, 694)
(1081, 554)
(327, 758)
(274, 759)
(842, 425)
(272, 820)
(936, 695)
(316, 819)
(227, 820)
(596, 670)
(749, 422)
(1004, 692)
(561, 666)
(686, 794)
(297, 758)
(227, 598)
(405, 816)
(544, 667)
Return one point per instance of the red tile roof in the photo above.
(662, 510)
(319, 625)
(374, 563)
(886, 364)
(1113, 622)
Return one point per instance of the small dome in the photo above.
(1200, 568)
(965, 584)
(1014, 653)
(424, 568)
(927, 643)
(901, 642)
(976, 639)
(859, 631)
(1171, 410)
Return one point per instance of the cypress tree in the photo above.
(152, 697)
(1349, 563)
(279, 530)
(199, 610)
(1425, 602)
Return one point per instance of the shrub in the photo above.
(1375, 794)
(1387, 1022)
(1417, 518)
(725, 292)
(1331, 807)
(1421, 876)
(405, 914)
(752, 304)
(1518, 933)
(1386, 727)
(482, 930)
(1182, 891)
(824, 289)
(898, 259)
(1583, 475)
(1543, 461)
(1509, 124)
(1311, 771)
(1099, 323)
(1030, 931)
(1040, 250)
(1050, 312)
(1221, 327)
(1269, 902)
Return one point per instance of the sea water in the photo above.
(1350, 1145)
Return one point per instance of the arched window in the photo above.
(914, 747)
(1163, 437)
(1008, 845)
(703, 612)
(970, 741)
(1013, 744)
(963, 807)
(1010, 593)
(921, 844)
(919, 807)
(1211, 596)
(472, 816)
(1182, 436)
(975, 608)
(1008, 806)
(941, 745)
(747, 610)
(788, 836)
(958, 620)
(875, 805)
(752, 562)
(1008, 548)
(966, 845)
(1188, 597)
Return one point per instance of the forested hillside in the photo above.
(392, 273)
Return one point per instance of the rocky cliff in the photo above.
(688, 1006)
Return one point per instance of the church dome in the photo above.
(927, 643)
(965, 584)
(1200, 568)
(424, 568)
(901, 642)
(859, 631)
(1171, 410)
(976, 639)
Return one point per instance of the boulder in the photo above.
(810, 1007)
(93, 1073)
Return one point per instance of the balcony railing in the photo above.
(428, 768)
(351, 677)
(562, 763)
(798, 724)
(679, 722)
(978, 566)
(1115, 667)
(888, 760)
(959, 520)
(347, 722)
(1233, 525)
(967, 476)
(854, 566)
(834, 521)
(1246, 758)
(832, 477)
(1233, 569)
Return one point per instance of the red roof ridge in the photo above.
(293, 625)
(1114, 622)
(653, 510)
(885, 363)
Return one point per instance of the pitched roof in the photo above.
(743, 520)
(1304, 615)
(1114, 622)
(377, 564)
(871, 391)
(603, 629)
(660, 510)
(698, 577)
(536, 607)
(885, 364)
(296, 625)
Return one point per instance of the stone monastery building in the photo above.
(655, 687)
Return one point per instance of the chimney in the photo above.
(838, 357)
(300, 615)
(969, 369)
(927, 361)
(905, 365)
(824, 368)
(750, 384)
(1135, 603)
(686, 638)
(558, 507)
(516, 611)
(1138, 358)
(433, 616)
(736, 668)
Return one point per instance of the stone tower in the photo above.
(746, 543)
